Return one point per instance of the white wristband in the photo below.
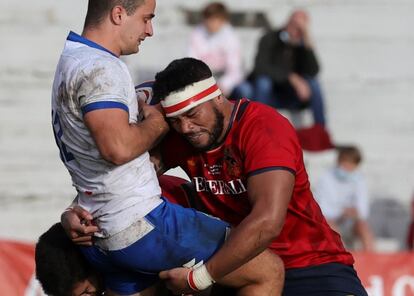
(201, 278)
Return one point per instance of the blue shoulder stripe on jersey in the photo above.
(145, 84)
(272, 168)
(242, 108)
(78, 38)
(103, 105)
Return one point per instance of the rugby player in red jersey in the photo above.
(246, 164)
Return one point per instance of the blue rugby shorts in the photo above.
(180, 235)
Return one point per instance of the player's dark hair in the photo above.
(178, 74)
(349, 153)
(98, 9)
(59, 263)
(215, 9)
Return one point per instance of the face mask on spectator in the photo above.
(344, 175)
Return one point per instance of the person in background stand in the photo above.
(216, 43)
(343, 197)
(285, 70)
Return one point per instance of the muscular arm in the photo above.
(118, 140)
(269, 194)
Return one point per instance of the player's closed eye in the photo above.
(191, 115)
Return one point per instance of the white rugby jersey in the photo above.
(89, 77)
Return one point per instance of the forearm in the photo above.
(294, 79)
(149, 132)
(269, 194)
(364, 232)
(247, 240)
(306, 39)
(120, 141)
(133, 140)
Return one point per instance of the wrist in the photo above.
(199, 279)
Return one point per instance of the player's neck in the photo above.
(227, 112)
(103, 36)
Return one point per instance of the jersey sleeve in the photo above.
(103, 84)
(270, 143)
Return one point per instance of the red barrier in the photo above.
(386, 274)
(381, 274)
(16, 269)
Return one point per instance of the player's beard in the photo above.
(215, 133)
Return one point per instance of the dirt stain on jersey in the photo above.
(96, 83)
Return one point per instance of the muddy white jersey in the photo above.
(89, 77)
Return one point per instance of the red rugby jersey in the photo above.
(259, 139)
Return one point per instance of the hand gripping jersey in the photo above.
(89, 77)
(258, 140)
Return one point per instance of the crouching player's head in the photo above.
(61, 268)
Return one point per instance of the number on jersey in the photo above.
(65, 155)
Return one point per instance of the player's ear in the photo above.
(117, 14)
(219, 99)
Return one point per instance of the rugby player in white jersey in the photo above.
(104, 148)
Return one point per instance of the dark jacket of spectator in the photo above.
(277, 58)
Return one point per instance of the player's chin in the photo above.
(197, 139)
(201, 145)
(130, 51)
(196, 143)
(136, 49)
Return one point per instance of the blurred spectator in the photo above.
(343, 197)
(284, 74)
(216, 43)
(410, 237)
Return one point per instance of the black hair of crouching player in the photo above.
(60, 266)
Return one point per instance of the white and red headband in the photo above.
(191, 96)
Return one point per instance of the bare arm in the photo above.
(118, 140)
(300, 86)
(269, 194)
(363, 230)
